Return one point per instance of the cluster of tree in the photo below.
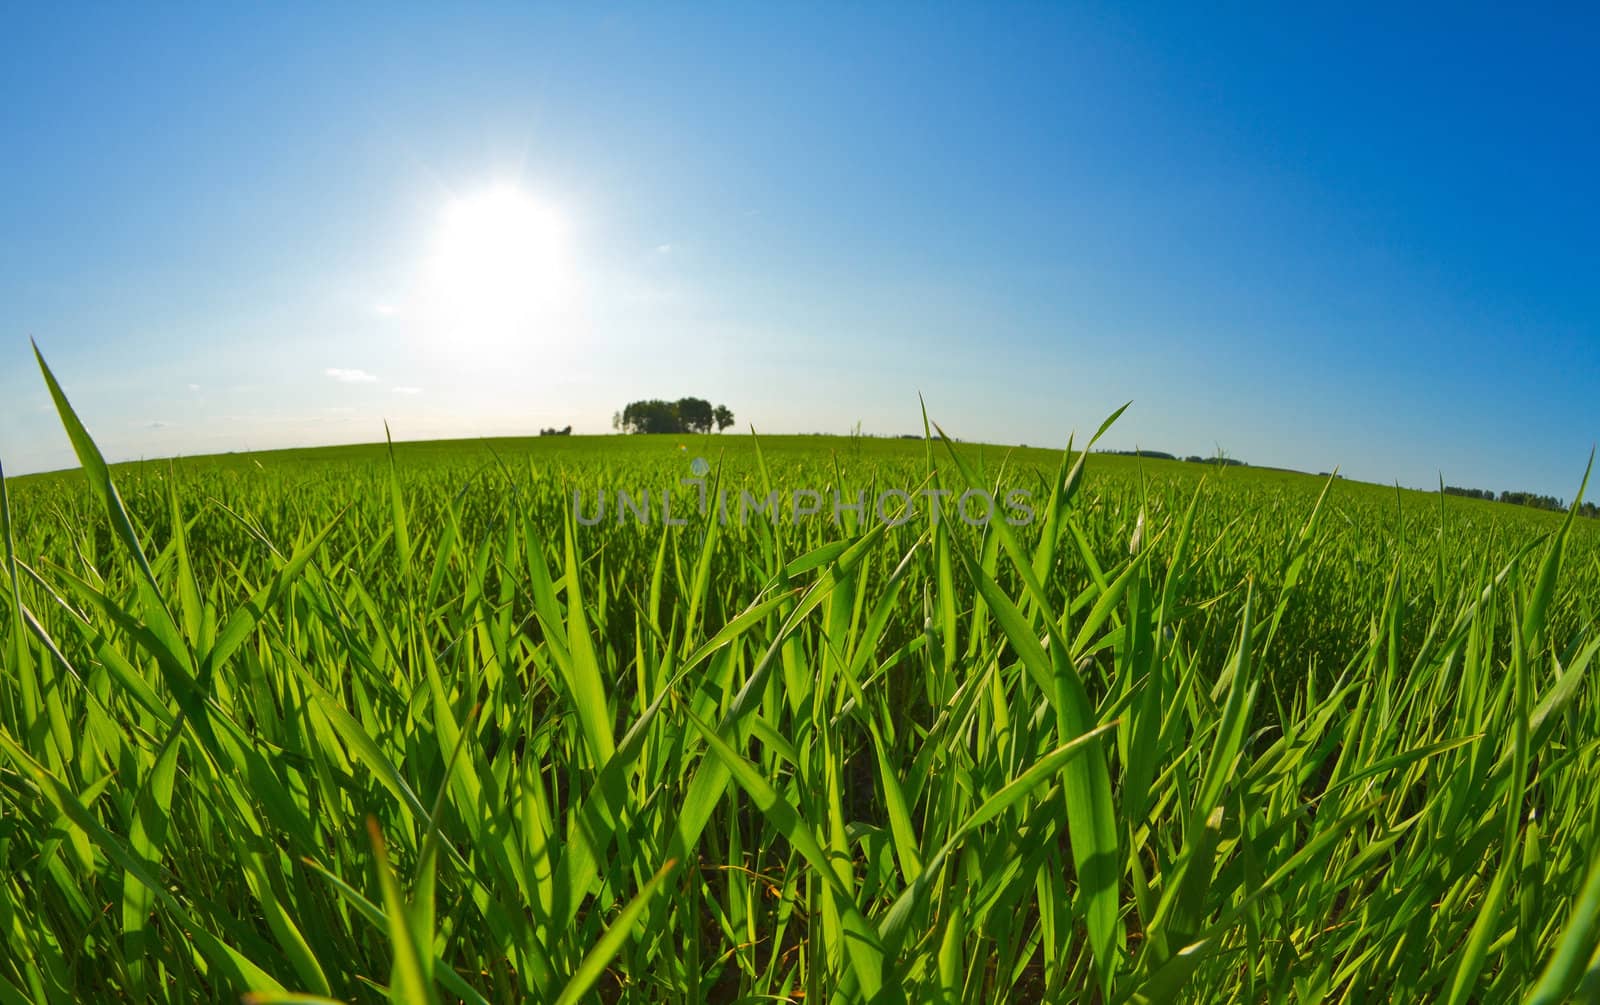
(686, 415)
(556, 432)
(1220, 459)
(1160, 454)
(1533, 499)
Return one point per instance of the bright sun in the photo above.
(499, 264)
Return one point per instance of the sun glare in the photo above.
(499, 264)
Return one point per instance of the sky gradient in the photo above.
(1332, 238)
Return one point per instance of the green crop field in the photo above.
(415, 724)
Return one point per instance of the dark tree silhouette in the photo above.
(653, 416)
(696, 414)
(686, 415)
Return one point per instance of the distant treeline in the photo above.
(1533, 499)
(552, 431)
(1191, 459)
(1161, 454)
(1224, 462)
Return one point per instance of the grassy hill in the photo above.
(360, 724)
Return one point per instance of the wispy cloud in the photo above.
(385, 310)
(407, 390)
(194, 387)
(663, 249)
(349, 376)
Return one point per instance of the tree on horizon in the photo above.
(686, 415)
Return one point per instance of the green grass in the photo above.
(363, 723)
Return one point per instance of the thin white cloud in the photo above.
(194, 387)
(385, 310)
(407, 390)
(663, 249)
(349, 376)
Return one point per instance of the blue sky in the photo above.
(1336, 237)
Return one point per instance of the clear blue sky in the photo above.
(1343, 237)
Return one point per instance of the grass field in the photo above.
(361, 723)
